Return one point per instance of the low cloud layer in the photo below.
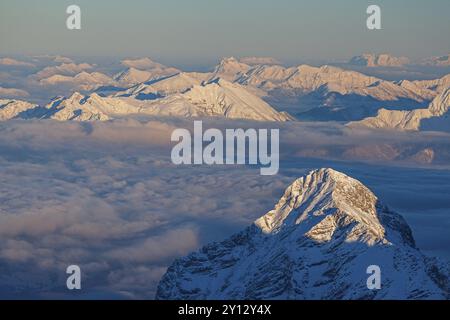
(106, 196)
(13, 93)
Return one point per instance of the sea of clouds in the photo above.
(105, 196)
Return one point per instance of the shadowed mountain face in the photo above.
(437, 112)
(317, 243)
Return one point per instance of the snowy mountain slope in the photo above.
(409, 120)
(17, 109)
(132, 76)
(315, 244)
(142, 70)
(420, 88)
(221, 97)
(76, 107)
(164, 87)
(82, 81)
(307, 79)
(436, 86)
(217, 98)
(325, 93)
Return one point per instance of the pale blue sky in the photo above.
(197, 31)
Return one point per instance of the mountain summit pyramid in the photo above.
(317, 243)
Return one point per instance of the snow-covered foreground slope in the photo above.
(412, 120)
(218, 98)
(435, 86)
(315, 244)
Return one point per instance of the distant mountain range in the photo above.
(328, 93)
(388, 60)
(308, 93)
(317, 243)
(216, 98)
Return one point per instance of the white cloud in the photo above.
(12, 93)
(15, 63)
(176, 242)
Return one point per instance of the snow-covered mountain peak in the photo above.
(316, 244)
(321, 203)
(221, 97)
(230, 68)
(75, 97)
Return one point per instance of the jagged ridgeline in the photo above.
(315, 244)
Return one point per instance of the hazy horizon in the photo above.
(200, 32)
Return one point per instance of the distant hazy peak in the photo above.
(379, 60)
(441, 61)
(142, 64)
